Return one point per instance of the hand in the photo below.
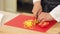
(37, 8)
(44, 17)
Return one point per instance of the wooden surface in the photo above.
(13, 30)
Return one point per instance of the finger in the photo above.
(40, 17)
(34, 14)
(42, 21)
(39, 12)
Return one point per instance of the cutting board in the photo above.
(19, 20)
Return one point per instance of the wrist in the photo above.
(36, 1)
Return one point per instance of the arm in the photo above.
(37, 6)
(55, 13)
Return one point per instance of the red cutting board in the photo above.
(19, 20)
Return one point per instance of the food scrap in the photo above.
(30, 23)
(44, 24)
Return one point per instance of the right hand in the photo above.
(37, 8)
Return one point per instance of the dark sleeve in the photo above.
(48, 5)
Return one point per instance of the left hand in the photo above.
(44, 17)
